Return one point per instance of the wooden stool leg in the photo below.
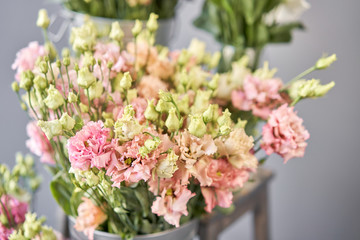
(261, 216)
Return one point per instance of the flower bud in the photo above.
(184, 57)
(137, 28)
(116, 32)
(40, 83)
(50, 48)
(15, 87)
(313, 89)
(225, 119)
(31, 226)
(88, 60)
(85, 78)
(201, 101)
(172, 122)
(126, 81)
(211, 113)
(165, 96)
(225, 130)
(152, 144)
(197, 49)
(72, 98)
(150, 113)
(44, 68)
(35, 183)
(65, 53)
(197, 126)
(48, 233)
(214, 83)
(95, 90)
(58, 63)
(23, 106)
(66, 61)
(84, 108)
(215, 59)
(183, 104)
(325, 62)
(54, 98)
(26, 80)
(109, 122)
(163, 106)
(67, 122)
(110, 64)
(240, 123)
(43, 20)
(167, 167)
(51, 128)
(152, 24)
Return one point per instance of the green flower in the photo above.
(197, 126)
(126, 81)
(150, 112)
(67, 122)
(325, 62)
(116, 32)
(54, 98)
(172, 121)
(43, 20)
(51, 128)
(95, 90)
(40, 83)
(85, 78)
(137, 28)
(152, 24)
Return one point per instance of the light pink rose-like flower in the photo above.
(39, 144)
(15, 207)
(128, 165)
(90, 147)
(284, 134)
(145, 54)
(172, 202)
(26, 58)
(89, 218)
(259, 96)
(150, 86)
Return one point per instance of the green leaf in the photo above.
(62, 192)
(282, 33)
(75, 200)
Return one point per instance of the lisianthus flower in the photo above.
(259, 96)
(139, 105)
(237, 149)
(39, 144)
(26, 58)
(89, 218)
(15, 207)
(145, 54)
(284, 134)
(128, 165)
(150, 86)
(172, 201)
(5, 232)
(216, 197)
(90, 147)
(161, 68)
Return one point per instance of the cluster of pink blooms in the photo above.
(259, 96)
(284, 134)
(13, 209)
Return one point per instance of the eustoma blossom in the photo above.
(139, 137)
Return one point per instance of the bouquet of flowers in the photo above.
(140, 139)
(16, 189)
(123, 9)
(248, 26)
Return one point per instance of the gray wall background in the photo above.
(316, 197)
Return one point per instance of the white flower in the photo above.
(289, 11)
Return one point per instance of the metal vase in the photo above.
(186, 231)
(71, 19)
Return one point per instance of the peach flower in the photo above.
(284, 134)
(89, 218)
(150, 86)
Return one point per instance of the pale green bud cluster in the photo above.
(211, 114)
(127, 127)
(67, 122)
(51, 128)
(309, 89)
(126, 81)
(26, 80)
(152, 24)
(149, 146)
(197, 127)
(225, 122)
(83, 38)
(96, 90)
(137, 28)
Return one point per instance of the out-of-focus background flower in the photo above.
(316, 197)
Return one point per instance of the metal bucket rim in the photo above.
(158, 234)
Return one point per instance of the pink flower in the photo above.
(150, 86)
(128, 165)
(172, 201)
(284, 134)
(259, 96)
(90, 147)
(145, 54)
(14, 207)
(26, 58)
(215, 196)
(5, 232)
(161, 68)
(89, 218)
(39, 144)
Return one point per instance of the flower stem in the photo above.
(301, 75)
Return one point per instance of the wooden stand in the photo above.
(253, 197)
